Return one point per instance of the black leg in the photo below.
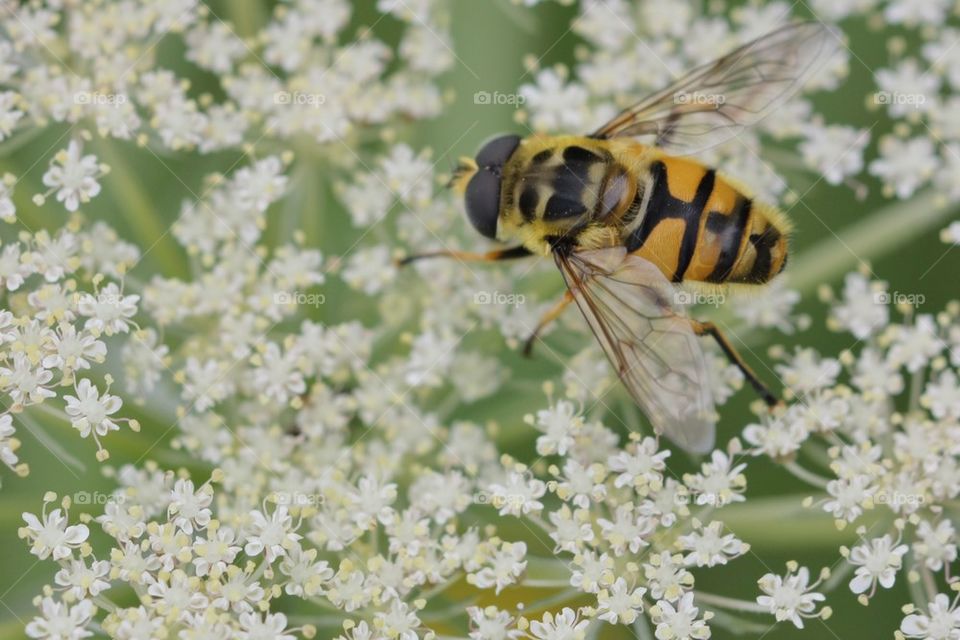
(708, 328)
(490, 256)
(552, 314)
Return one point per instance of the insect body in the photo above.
(627, 215)
(687, 219)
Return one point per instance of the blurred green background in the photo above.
(140, 200)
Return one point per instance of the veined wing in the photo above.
(629, 306)
(715, 102)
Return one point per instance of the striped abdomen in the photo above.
(695, 225)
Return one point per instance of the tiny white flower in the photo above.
(90, 412)
(519, 495)
(620, 604)
(558, 423)
(708, 547)
(679, 622)
(936, 546)
(62, 621)
(109, 310)
(941, 622)
(790, 597)
(562, 626)
(52, 536)
(505, 566)
(272, 536)
(73, 176)
(189, 506)
(834, 151)
(905, 165)
(556, 105)
(82, 580)
(877, 561)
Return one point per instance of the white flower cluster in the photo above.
(884, 416)
(291, 79)
(340, 482)
(335, 485)
(53, 332)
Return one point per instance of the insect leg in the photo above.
(708, 328)
(552, 314)
(489, 256)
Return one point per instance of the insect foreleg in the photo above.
(466, 256)
(708, 328)
(552, 314)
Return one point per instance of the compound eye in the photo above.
(496, 152)
(483, 202)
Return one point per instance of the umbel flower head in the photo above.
(333, 447)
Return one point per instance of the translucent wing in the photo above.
(628, 304)
(718, 100)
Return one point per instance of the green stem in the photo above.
(641, 627)
(781, 522)
(546, 583)
(439, 588)
(889, 228)
(807, 476)
(139, 211)
(725, 602)
(51, 443)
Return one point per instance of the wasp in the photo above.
(628, 215)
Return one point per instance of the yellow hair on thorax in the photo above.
(466, 168)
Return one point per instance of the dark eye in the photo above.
(496, 152)
(483, 202)
(483, 190)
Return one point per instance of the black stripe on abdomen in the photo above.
(692, 222)
(728, 231)
(763, 243)
(663, 205)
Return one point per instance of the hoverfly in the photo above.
(627, 215)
